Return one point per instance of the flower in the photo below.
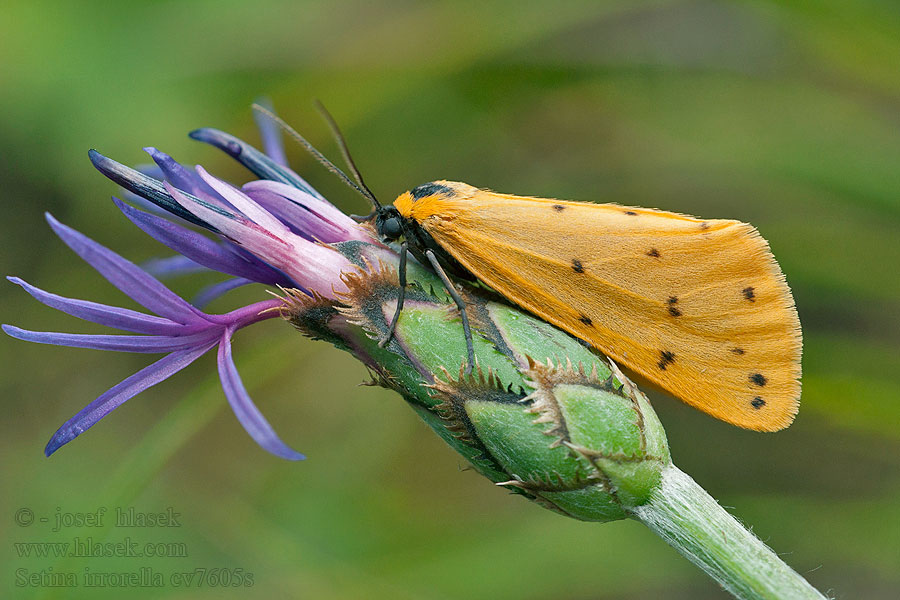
(541, 415)
(271, 231)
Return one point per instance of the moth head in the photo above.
(388, 223)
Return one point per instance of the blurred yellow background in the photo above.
(783, 114)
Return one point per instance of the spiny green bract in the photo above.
(542, 414)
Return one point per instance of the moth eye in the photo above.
(390, 228)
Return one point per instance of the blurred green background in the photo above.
(783, 114)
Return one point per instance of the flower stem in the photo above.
(691, 521)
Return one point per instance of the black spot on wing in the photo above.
(559, 207)
(738, 351)
(666, 358)
(757, 403)
(758, 379)
(704, 225)
(653, 252)
(673, 310)
(586, 320)
(630, 213)
(749, 294)
(577, 266)
(430, 189)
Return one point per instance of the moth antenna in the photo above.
(363, 191)
(345, 150)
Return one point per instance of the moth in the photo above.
(697, 307)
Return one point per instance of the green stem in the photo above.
(692, 522)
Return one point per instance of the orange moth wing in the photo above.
(698, 307)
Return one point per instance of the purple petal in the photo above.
(172, 266)
(111, 316)
(270, 133)
(199, 248)
(144, 344)
(116, 395)
(263, 166)
(245, 205)
(221, 222)
(128, 277)
(148, 188)
(244, 409)
(153, 171)
(305, 214)
(279, 278)
(241, 230)
(210, 293)
(182, 177)
(322, 208)
(313, 266)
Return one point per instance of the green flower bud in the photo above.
(542, 414)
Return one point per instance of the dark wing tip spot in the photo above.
(758, 379)
(738, 351)
(757, 403)
(749, 294)
(653, 252)
(559, 207)
(630, 213)
(666, 358)
(577, 266)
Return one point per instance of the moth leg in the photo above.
(470, 348)
(402, 272)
